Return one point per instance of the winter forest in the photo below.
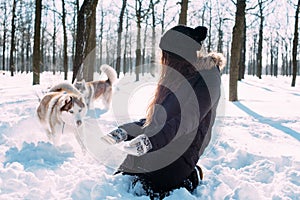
(253, 152)
(46, 35)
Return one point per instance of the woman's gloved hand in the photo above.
(116, 136)
(138, 146)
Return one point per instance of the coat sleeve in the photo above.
(134, 128)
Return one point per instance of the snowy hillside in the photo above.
(254, 153)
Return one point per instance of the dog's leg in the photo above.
(56, 139)
(53, 137)
(49, 135)
(91, 105)
(56, 134)
(80, 137)
(106, 102)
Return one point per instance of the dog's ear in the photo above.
(67, 104)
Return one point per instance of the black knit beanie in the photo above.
(183, 41)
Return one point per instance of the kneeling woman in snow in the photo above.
(164, 148)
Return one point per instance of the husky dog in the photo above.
(59, 108)
(101, 89)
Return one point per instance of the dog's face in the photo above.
(73, 110)
(81, 86)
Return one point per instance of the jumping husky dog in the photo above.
(59, 108)
(101, 89)
(91, 91)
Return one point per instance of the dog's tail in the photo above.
(65, 87)
(110, 73)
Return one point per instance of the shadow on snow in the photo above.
(41, 156)
(268, 121)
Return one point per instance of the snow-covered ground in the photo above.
(254, 153)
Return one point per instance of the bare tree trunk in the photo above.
(285, 68)
(125, 46)
(236, 49)
(209, 28)
(4, 36)
(22, 28)
(107, 47)
(130, 53)
(83, 67)
(12, 43)
(203, 15)
(138, 8)
(23, 52)
(54, 42)
(287, 59)
(183, 12)
(163, 16)
(42, 53)
(220, 36)
(138, 51)
(76, 10)
(4, 47)
(276, 61)
(227, 58)
(242, 63)
(290, 55)
(254, 68)
(65, 41)
(101, 36)
(267, 59)
(36, 45)
(260, 41)
(144, 47)
(295, 44)
(28, 46)
(120, 30)
(153, 42)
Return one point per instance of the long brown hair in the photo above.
(169, 80)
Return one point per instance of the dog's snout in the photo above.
(78, 122)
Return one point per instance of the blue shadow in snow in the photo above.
(41, 156)
(96, 113)
(296, 94)
(269, 122)
(267, 89)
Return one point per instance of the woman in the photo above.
(164, 148)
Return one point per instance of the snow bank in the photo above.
(254, 152)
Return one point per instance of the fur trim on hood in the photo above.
(211, 60)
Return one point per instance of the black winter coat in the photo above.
(180, 130)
